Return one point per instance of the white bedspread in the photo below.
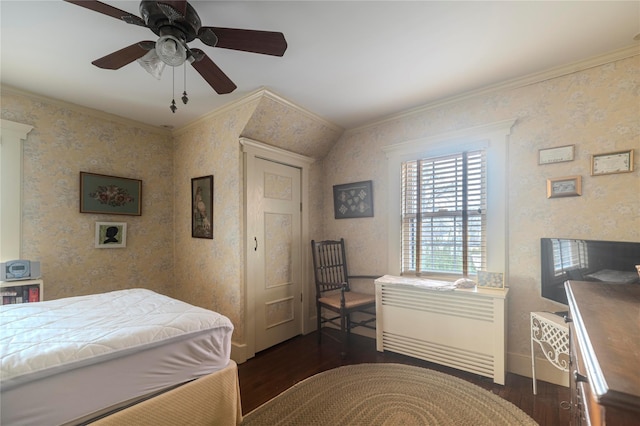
(40, 339)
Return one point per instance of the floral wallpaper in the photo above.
(66, 140)
(211, 273)
(597, 110)
(160, 253)
(280, 123)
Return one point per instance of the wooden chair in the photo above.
(333, 291)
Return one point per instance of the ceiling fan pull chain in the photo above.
(173, 106)
(185, 98)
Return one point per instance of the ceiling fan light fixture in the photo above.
(152, 63)
(171, 51)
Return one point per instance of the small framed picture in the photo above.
(612, 162)
(491, 279)
(353, 200)
(569, 186)
(202, 207)
(111, 235)
(558, 154)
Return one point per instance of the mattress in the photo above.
(64, 361)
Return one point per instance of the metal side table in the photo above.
(552, 334)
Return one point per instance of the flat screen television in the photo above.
(565, 259)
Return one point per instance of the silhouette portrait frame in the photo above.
(202, 207)
(111, 235)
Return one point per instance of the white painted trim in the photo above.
(239, 352)
(545, 371)
(253, 149)
(253, 96)
(616, 55)
(88, 111)
(493, 137)
(11, 136)
(293, 105)
(273, 153)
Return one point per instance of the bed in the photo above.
(124, 357)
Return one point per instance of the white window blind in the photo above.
(569, 255)
(444, 215)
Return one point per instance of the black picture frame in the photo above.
(110, 194)
(202, 207)
(353, 200)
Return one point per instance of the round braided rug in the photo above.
(386, 394)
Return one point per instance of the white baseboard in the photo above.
(545, 371)
(516, 363)
(239, 352)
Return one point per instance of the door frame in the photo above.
(253, 149)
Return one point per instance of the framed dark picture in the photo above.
(202, 207)
(110, 194)
(352, 200)
(111, 235)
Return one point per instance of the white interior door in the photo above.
(274, 261)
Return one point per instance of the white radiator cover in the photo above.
(461, 328)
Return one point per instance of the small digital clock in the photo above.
(20, 269)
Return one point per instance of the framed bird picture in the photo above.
(202, 207)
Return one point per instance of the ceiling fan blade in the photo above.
(264, 42)
(122, 57)
(108, 10)
(216, 78)
(179, 6)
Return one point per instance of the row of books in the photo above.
(20, 294)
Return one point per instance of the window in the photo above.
(444, 215)
(492, 138)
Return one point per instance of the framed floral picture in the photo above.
(202, 207)
(110, 194)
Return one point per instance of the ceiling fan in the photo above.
(176, 23)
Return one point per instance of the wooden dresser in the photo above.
(604, 328)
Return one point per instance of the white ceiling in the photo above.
(349, 62)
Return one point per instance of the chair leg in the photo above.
(319, 322)
(344, 319)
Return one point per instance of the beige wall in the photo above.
(161, 254)
(64, 141)
(597, 110)
(210, 273)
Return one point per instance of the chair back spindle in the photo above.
(333, 292)
(330, 265)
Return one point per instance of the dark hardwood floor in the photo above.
(276, 369)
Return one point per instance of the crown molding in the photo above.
(571, 68)
(85, 110)
(286, 102)
(254, 96)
